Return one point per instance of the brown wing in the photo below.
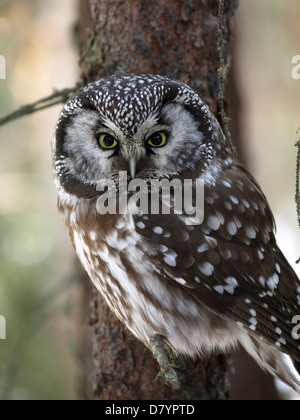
(231, 261)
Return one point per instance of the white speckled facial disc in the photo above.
(131, 109)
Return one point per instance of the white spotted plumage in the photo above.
(203, 287)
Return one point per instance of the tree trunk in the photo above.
(177, 39)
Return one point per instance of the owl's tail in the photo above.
(272, 360)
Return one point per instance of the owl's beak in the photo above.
(132, 167)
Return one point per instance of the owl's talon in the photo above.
(172, 358)
(166, 360)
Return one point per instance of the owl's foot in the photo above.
(166, 360)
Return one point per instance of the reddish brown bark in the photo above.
(178, 39)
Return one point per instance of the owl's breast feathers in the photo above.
(229, 265)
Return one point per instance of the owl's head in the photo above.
(150, 126)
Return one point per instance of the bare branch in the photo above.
(298, 182)
(222, 76)
(297, 197)
(56, 98)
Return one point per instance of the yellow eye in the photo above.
(158, 140)
(107, 141)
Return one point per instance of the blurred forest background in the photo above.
(39, 296)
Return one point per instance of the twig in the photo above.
(297, 197)
(298, 182)
(222, 76)
(58, 97)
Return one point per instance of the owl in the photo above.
(200, 287)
